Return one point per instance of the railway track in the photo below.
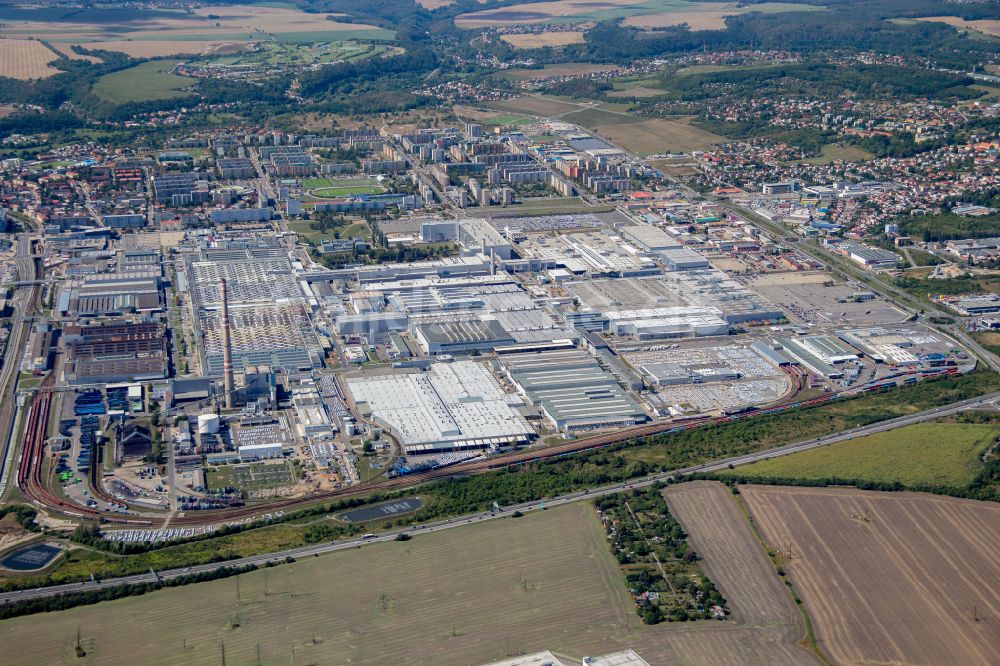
(31, 460)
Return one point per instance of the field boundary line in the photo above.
(809, 641)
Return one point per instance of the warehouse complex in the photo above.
(269, 311)
(115, 353)
(452, 406)
(572, 390)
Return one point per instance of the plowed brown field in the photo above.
(890, 578)
(765, 627)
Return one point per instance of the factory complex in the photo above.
(266, 341)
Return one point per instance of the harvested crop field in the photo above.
(146, 32)
(539, 12)
(889, 578)
(462, 596)
(645, 136)
(642, 13)
(768, 622)
(987, 26)
(710, 15)
(542, 39)
(154, 49)
(25, 60)
(67, 50)
(707, 19)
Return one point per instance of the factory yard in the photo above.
(548, 578)
(817, 298)
(889, 577)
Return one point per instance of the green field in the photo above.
(328, 188)
(832, 152)
(945, 226)
(506, 119)
(380, 34)
(644, 136)
(969, 284)
(142, 83)
(936, 454)
(303, 228)
(298, 54)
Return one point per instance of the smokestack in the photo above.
(227, 349)
(493, 261)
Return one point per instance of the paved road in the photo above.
(322, 548)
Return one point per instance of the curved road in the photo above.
(317, 549)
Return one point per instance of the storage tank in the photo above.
(208, 424)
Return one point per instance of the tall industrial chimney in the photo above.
(227, 349)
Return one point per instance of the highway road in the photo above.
(318, 549)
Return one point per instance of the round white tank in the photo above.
(208, 424)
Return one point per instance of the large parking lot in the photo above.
(818, 298)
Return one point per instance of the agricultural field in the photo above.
(271, 54)
(548, 578)
(148, 81)
(763, 612)
(986, 26)
(637, 91)
(67, 50)
(20, 59)
(833, 152)
(645, 136)
(643, 13)
(990, 340)
(944, 454)
(538, 105)
(543, 39)
(155, 49)
(328, 188)
(562, 69)
(711, 15)
(889, 578)
(148, 32)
